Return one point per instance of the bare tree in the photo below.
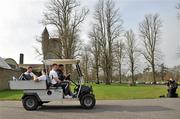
(178, 9)
(131, 50)
(86, 56)
(163, 71)
(64, 16)
(109, 24)
(150, 30)
(119, 56)
(178, 16)
(95, 50)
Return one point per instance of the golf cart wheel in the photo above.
(30, 103)
(88, 101)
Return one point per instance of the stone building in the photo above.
(51, 47)
(8, 69)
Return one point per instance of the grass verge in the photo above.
(107, 92)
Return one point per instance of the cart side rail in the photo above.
(23, 85)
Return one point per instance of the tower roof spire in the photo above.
(45, 31)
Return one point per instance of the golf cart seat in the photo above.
(49, 84)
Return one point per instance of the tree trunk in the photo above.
(107, 78)
(132, 76)
(120, 74)
(154, 74)
(97, 76)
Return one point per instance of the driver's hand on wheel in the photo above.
(66, 81)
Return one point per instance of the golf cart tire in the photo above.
(30, 103)
(84, 101)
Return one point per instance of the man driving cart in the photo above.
(58, 80)
(65, 80)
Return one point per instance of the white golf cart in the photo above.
(37, 93)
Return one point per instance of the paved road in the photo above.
(116, 109)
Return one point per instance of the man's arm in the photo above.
(33, 75)
(56, 79)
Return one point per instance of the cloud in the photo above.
(19, 25)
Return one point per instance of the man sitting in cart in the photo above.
(55, 80)
(29, 75)
(64, 79)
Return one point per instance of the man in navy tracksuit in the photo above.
(65, 83)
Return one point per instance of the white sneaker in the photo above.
(68, 97)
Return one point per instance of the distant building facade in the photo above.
(8, 69)
(12, 63)
(51, 47)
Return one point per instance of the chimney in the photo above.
(21, 59)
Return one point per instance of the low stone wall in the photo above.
(5, 76)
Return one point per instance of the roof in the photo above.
(10, 61)
(3, 64)
(45, 31)
(60, 61)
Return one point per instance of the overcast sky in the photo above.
(19, 25)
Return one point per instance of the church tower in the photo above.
(45, 42)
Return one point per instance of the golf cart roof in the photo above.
(60, 61)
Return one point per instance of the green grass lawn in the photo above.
(10, 95)
(125, 92)
(108, 92)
